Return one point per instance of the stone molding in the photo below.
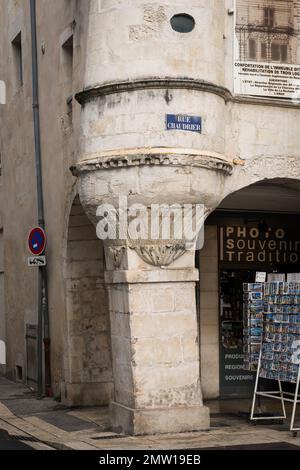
(151, 276)
(154, 157)
(183, 83)
(96, 91)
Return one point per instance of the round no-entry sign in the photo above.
(37, 241)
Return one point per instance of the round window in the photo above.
(182, 23)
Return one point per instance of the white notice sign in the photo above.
(267, 48)
(37, 261)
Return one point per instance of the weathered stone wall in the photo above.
(138, 119)
(146, 45)
(88, 371)
(55, 19)
(18, 207)
(2, 303)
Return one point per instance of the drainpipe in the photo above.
(43, 315)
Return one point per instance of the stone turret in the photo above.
(139, 69)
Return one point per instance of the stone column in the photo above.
(154, 343)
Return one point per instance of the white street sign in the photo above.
(37, 261)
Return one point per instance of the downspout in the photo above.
(43, 314)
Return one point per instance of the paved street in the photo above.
(29, 423)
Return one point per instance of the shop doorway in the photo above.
(259, 243)
(264, 236)
(235, 381)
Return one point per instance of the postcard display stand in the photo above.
(279, 356)
(253, 313)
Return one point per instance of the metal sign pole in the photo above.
(256, 386)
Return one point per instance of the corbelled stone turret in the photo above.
(150, 68)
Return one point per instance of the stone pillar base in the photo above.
(158, 420)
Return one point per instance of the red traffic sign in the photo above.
(37, 241)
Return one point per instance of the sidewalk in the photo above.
(46, 425)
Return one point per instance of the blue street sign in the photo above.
(183, 122)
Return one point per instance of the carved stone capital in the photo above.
(116, 254)
(160, 255)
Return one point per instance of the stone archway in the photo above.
(87, 361)
(260, 169)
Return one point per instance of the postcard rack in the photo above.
(279, 357)
(253, 313)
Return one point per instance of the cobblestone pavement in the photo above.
(45, 424)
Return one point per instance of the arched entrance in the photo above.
(87, 365)
(255, 228)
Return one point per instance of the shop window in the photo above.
(252, 49)
(18, 60)
(269, 17)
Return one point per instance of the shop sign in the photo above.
(266, 49)
(234, 373)
(243, 244)
(234, 379)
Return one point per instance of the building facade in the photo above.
(268, 31)
(142, 326)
